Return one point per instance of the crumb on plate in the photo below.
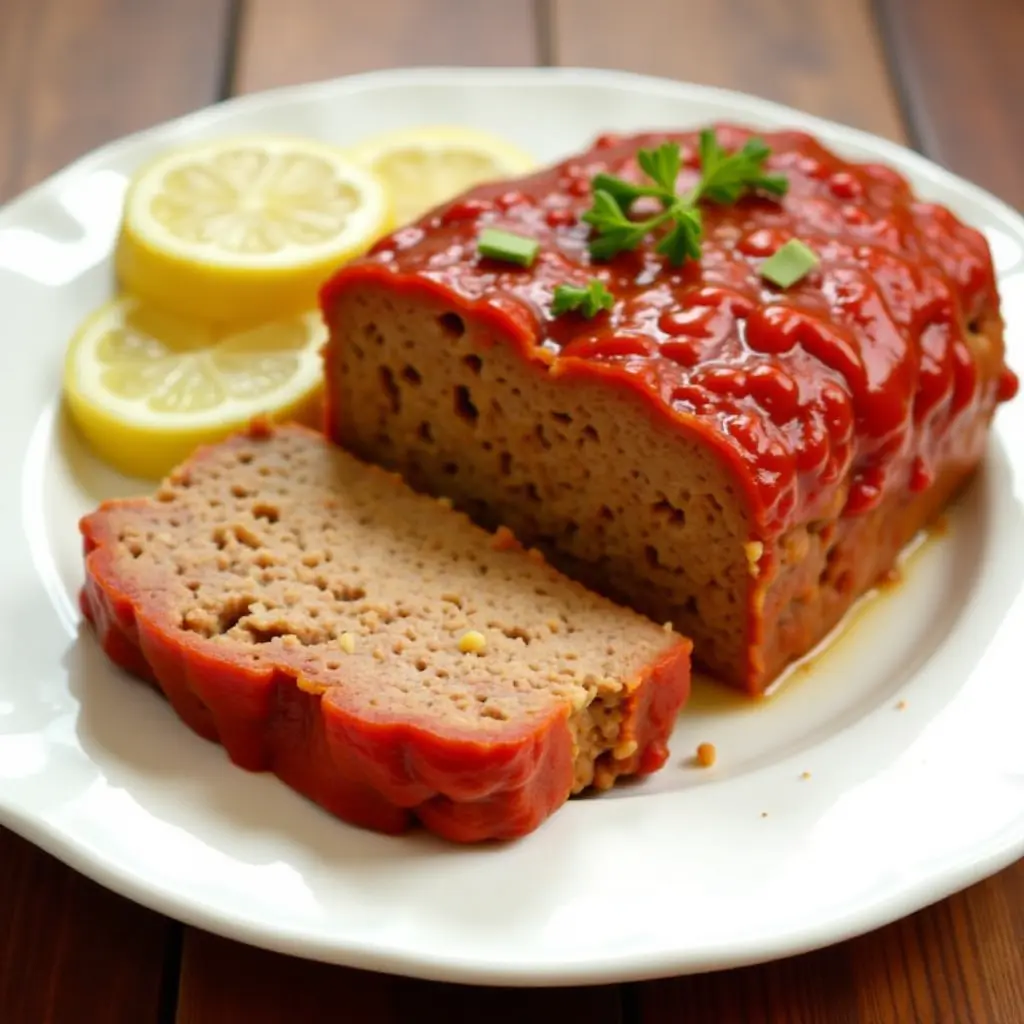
(707, 754)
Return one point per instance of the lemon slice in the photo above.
(146, 386)
(423, 167)
(246, 229)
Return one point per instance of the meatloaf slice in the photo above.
(740, 459)
(370, 646)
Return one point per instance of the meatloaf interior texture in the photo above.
(579, 468)
(372, 647)
(740, 460)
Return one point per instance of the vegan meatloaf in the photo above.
(739, 459)
(372, 647)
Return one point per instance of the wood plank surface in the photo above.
(958, 962)
(960, 67)
(76, 73)
(227, 983)
(822, 56)
(70, 951)
(305, 40)
(73, 74)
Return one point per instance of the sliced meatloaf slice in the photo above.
(370, 646)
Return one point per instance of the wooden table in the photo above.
(947, 76)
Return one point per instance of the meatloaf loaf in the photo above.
(370, 646)
(739, 459)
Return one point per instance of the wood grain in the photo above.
(958, 962)
(75, 73)
(303, 40)
(822, 56)
(226, 983)
(960, 65)
(71, 952)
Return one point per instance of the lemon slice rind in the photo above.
(129, 394)
(245, 229)
(421, 185)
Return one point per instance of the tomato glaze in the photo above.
(842, 387)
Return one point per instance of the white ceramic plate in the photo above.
(693, 869)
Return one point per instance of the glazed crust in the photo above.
(679, 451)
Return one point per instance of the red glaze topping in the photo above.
(853, 378)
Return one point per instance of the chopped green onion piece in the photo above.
(507, 247)
(789, 263)
(588, 300)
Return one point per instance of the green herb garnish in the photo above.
(507, 247)
(789, 263)
(587, 300)
(725, 177)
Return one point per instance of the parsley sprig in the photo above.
(587, 300)
(725, 177)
